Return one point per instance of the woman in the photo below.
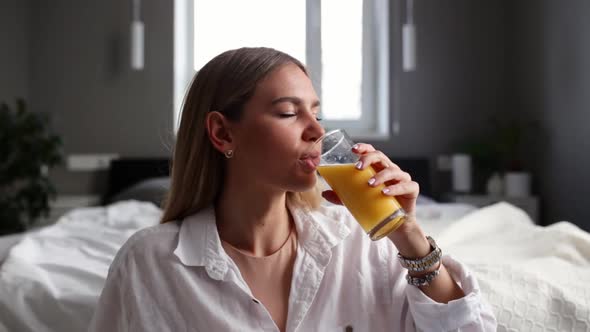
(245, 244)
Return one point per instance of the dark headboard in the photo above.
(126, 172)
(419, 169)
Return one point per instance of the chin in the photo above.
(303, 183)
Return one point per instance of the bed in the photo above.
(534, 277)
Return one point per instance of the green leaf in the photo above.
(26, 144)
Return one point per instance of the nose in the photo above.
(313, 131)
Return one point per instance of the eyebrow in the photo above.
(293, 100)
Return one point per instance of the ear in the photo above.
(219, 131)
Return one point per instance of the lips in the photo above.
(310, 161)
(311, 155)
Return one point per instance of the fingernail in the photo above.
(359, 165)
(371, 181)
(355, 147)
(385, 190)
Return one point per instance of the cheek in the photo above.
(272, 140)
(277, 155)
(269, 146)
(260, 152)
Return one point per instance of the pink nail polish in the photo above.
(359, 165)
(385, 190)
(371, 181)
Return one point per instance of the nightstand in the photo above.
(529, 204)
(65, 203)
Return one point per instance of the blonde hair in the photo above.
(224, 84)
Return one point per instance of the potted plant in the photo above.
(28, 149)
(512, 135)
(500, 150)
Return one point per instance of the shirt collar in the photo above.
(319, 232)
(199, 243)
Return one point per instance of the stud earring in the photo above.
(229, 154)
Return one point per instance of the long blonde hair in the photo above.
(224, 84)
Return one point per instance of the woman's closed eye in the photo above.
(289, 115)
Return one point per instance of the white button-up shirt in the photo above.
(177, 277)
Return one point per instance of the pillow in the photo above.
(151, 190)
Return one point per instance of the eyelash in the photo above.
(288, 115)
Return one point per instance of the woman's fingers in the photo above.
(331, 197)
(376, 159)
(397, 182)
(403, 189)
(360, 148)
(389, 176)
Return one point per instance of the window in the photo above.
(343, 43)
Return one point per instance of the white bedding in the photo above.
(534, 277)
(435, 218)
(51, 280)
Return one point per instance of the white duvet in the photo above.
(535, 278)
(51, 280)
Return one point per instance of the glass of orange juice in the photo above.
(377, 214)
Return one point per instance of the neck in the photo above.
(252, 218)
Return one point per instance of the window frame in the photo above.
(374, 123)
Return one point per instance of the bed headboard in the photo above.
(419, 169)
(126, 172)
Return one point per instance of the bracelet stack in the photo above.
(423, 264)
(425, 280)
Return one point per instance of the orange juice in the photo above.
(374, 211)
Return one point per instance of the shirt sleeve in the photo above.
(111, 311)
(129, 301)
(470, 313)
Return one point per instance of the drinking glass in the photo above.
(377, 214)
